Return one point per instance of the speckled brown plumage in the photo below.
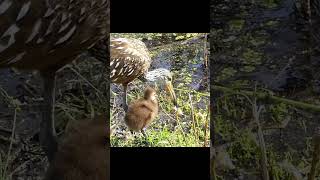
(42, 34)
(130, 59)
(141, 112)
(84, 154)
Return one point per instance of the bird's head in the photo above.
(162, 78)
(150, 94)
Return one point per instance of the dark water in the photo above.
(186, 60)
(255, 43)
(268, 48)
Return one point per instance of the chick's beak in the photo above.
(169, 89)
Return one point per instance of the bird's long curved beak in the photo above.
(169, 89)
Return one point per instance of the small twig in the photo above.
(212, 164)
(8, 99)
(11, 142)
(75, 71)
(193, 119)
(181, 129)
(114, 103)
(69, 107)
(316, 154)
(206, 126)
(259, 95)
(205, 52)
(193, 91)
(172, 118)
(264, 162)
(19, 168)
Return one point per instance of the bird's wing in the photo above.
(42, 34)
(129, 59)
(149, 113)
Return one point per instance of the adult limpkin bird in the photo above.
(130, 59)
(45, 35)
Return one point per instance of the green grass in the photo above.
(166, 130)
(80, 94)
(234, 128)
(6, 157)
(3, 168)
(185, 53)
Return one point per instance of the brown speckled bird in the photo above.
(141, 112)
(84, 153)
(45, 35)
(130, 59)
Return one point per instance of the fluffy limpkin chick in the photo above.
(84, 153)
(141, 112)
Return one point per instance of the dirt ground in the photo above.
(78, 87)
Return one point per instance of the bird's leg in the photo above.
(143, 131)
(125, 104)
(132, 134)
(48, 137)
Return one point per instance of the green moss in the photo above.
(236, 24)
(270, 3)
(226, 73)
(278, 112)
(272, 23)
(257, 40)
(252, 57)
(245, 149)
(248, 68)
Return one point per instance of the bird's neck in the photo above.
(153, 101)
(143, 78)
